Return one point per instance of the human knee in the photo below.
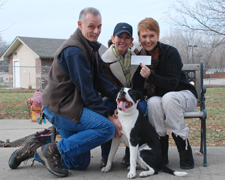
(110, 130)
(154, 102)
(169, 100)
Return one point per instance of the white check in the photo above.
(136, 60)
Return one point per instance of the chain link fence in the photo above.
(34, 77)
(214, 77)
(28, 77)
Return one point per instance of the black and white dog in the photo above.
(139, 135)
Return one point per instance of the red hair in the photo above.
(148, 23)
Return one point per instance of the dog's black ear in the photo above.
(140, 96)
(116, 92)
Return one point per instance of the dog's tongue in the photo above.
(122, 105)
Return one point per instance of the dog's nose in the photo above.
(122, 93)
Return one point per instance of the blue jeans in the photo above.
(79, 138)
(142, 106)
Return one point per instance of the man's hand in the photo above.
(145, 71)
(115, 114)
(118, 126)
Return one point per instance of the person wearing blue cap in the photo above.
(117, 66)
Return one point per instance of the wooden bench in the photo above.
(194, 73)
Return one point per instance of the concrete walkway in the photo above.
(16, 129)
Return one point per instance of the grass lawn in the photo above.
(13, 105)
(215, 122)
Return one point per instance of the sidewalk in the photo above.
(15, 129)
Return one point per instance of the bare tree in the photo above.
(221, 55)
(203, 24)
(204, 16)
(182, 40)
(217, 56)
(195, 47)
(2, 2)
(3, 46)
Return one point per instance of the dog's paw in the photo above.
(145, 173)
(131, 175)
(106, 169)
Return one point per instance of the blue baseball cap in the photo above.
(123, 27)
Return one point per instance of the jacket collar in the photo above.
(159, 44)
(109, 57)
(115, 67)
(94, 45)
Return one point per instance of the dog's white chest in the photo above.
(128, 123)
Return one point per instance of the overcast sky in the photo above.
(58, 18)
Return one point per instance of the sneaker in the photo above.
(51, 158)
(37, 158)
(25, 152)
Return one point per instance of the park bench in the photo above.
(194, 73)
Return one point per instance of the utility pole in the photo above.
(199, 56)
(192, 46)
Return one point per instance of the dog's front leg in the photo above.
(114, 146)
(133, 160)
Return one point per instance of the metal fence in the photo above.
(214, 77)
(33, 77)
(28, 77)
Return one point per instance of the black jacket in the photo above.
(168, 74)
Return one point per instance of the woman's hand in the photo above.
(118, 126)
(145, 71)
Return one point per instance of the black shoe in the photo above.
(25, 152)
(185, 152)
(51, 157)
(126, 161)
(103, 162)
(164, 141)
(186, 159)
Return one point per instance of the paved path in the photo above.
(14, 129)
(21, 128)
(214, 81)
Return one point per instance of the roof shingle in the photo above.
(46, 47)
